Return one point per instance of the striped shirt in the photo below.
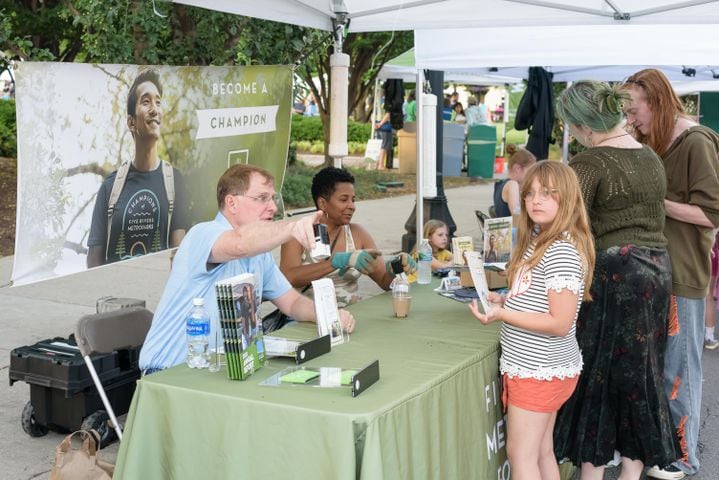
(528, 354)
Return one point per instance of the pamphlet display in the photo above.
(326, 311)
(359, 379)
(497, 242)
(240, 325)
(300, 351)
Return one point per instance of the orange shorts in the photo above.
(537, 395)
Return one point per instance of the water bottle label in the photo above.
(198, 328)
(425, 257)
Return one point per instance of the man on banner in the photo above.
(239, 240)
(137, 209)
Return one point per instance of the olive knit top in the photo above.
(623, 192)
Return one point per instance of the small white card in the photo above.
(476, 269)
(326, 311)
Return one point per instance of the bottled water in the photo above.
(424, 264)
(198, 335)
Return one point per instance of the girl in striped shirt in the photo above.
(540, 361)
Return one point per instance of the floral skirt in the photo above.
(620, 401)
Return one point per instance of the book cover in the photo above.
(240, 325)
(497, 242)
(459, 246)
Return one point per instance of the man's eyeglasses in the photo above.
(264, 198)
(543, 194)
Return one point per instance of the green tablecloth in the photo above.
(435, 413)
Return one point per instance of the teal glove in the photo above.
(409, 266)
(360, 260)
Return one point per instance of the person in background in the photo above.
(453, 99)
(475, 114)
(619, 403)
(540, 360)
(384, 131)
(410, 112)
(239, 240)
(447, 109)
(710, 315)
(507, 201)
(311, 108)
(353, 250)
(458, 113)
(437, 232)
(689, 152)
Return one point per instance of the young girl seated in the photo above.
(437, 232)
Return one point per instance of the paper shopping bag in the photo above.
(80, 463)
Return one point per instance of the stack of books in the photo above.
(241, 325)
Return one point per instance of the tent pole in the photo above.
(419, 218)
(565, 138)
(505, 119)
(339, 87)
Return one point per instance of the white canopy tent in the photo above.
(384, 15)
(623, 16)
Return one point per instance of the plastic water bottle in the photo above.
(424, 265)
(198, 335)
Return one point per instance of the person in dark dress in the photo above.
(619, 403)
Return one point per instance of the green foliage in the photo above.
(306, 129)
(309, 129)
(358, 131)
(292, 153)
(8, 131)
(296, 187)
(298, 182)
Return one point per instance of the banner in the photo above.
(119, 161)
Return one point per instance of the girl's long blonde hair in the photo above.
(571, 222)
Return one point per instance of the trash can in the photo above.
(452, 149)
(407, 143)
(481, 149)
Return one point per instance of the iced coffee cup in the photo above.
(401, 305)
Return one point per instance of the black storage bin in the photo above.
(62, 393)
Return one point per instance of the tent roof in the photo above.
(403, 67)
(597, 52)
(570, 45)
(384, 15)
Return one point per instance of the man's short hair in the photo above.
(236, 181)
(149, 75)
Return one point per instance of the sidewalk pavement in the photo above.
(35, 312)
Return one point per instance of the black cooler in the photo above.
(63, 396)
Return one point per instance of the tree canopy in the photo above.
(153, 32)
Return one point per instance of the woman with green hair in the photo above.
(619, 403)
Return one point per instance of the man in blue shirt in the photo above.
(237, 241)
